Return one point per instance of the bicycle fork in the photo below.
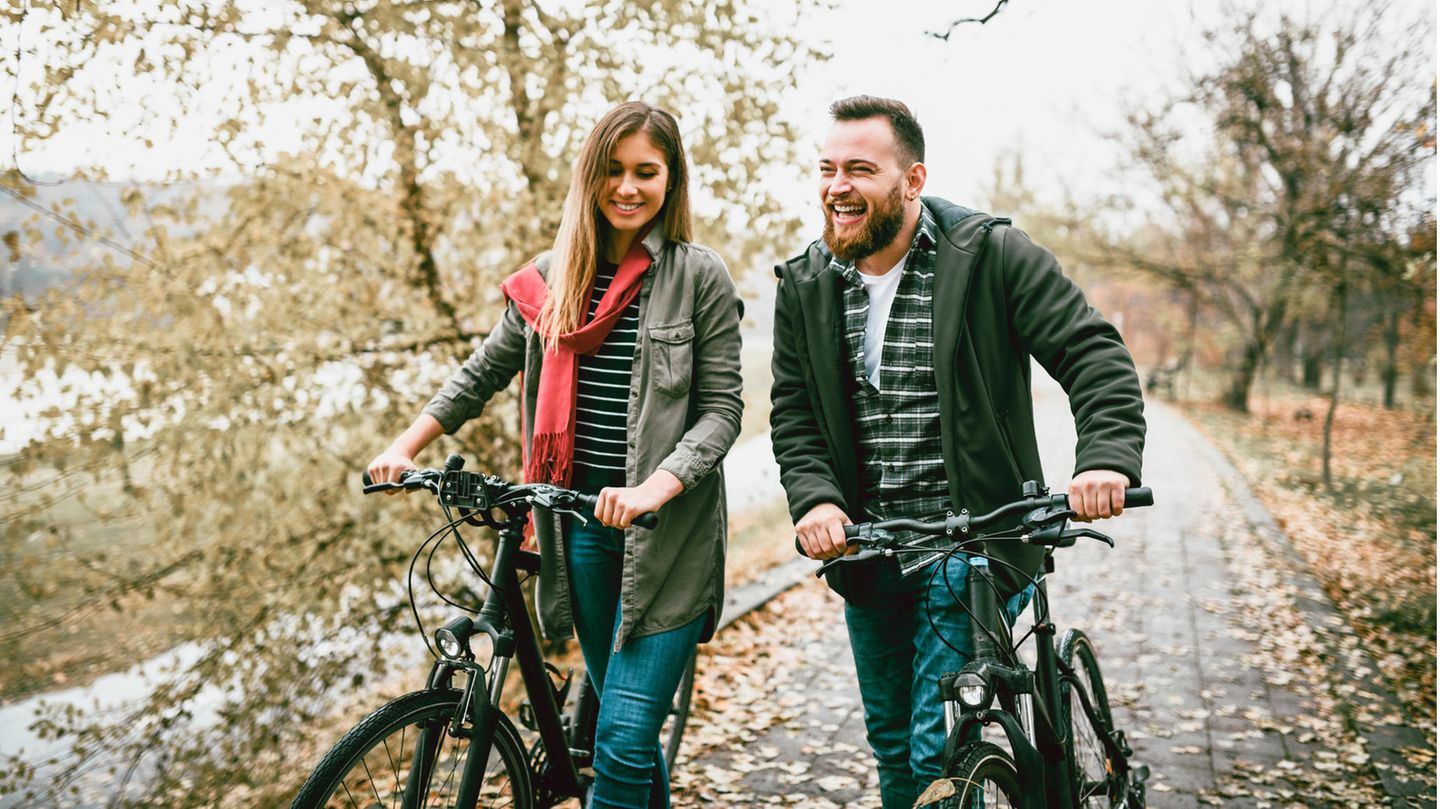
(1049, 760)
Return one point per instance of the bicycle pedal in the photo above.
(527, 716)
(1140, 773)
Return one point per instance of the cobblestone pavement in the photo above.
(1206, 660)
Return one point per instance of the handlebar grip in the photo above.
(647, 520)
(851, 532)
(371, 487)
(1139, 497)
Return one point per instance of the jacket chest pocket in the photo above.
(670, 347)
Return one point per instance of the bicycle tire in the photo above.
(1102, 779)
(672, 733)
(984, 775)
(366, 751)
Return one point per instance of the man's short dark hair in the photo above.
(909, 140)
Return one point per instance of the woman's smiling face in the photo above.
(635, 192)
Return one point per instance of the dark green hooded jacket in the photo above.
(991, 316)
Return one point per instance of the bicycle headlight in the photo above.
(972, 689)
(454, 637)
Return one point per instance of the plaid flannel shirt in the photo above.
(903, 472)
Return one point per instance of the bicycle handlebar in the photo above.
(1039, 509)
(471, 490)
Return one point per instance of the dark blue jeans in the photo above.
(899, 661)
(636, 684)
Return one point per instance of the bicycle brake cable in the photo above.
(964, 607)
(410, 589)
(1011, 645)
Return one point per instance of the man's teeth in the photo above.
(848, 210)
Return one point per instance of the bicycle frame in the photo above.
(505, 619)
(1047, 754)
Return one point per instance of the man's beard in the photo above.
(882, 225)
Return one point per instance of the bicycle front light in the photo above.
(973, 690)
(454, 637)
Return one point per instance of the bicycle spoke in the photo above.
(399, 793)
(368, 775)
(394, 773)
(454, 763)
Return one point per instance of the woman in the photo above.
(628, 338)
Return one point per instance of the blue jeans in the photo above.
(636, 684)
(904, 716)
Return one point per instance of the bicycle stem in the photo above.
(984, 608)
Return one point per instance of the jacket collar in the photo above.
(655, 240)
(962, 227)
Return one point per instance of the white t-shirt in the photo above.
(881, 289)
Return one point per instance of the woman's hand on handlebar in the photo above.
(1097, 494)
(619, 506)
(821, 532)
(387, 466)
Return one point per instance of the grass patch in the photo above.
(67, 619)
(756, 378)
(760, 539)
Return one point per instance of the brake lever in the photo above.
(555, 501)
(1090, 533)
(1055, 537)
(858, 556)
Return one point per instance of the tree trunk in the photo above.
(1391, 370)
(1341, 297)
(1312, 368)
(1237, 397)
(1282, 358)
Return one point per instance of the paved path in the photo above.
(1210, 667)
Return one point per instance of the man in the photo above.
(915, 319)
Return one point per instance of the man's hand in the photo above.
(619, 506)
(1097, 494)
(822, 532)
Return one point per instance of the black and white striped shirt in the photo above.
(603, 395)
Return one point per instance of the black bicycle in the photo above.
(1064, 749)
(450, 744)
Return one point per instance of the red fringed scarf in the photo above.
(551, 453)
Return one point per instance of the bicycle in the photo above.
(1056, 717)
(450, 744)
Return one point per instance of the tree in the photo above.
(377, 166)
(1302, 139)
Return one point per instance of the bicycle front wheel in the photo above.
(404, 755)
(984, 777)
(1101, 778)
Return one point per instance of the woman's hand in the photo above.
(618, 506)
(388, 465)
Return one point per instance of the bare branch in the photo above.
(950, 29)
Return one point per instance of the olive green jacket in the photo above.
(991, 315)
(683, 416)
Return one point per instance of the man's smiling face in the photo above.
(861, 187)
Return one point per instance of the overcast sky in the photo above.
(1043, 79)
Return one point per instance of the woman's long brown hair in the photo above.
(577, 244)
